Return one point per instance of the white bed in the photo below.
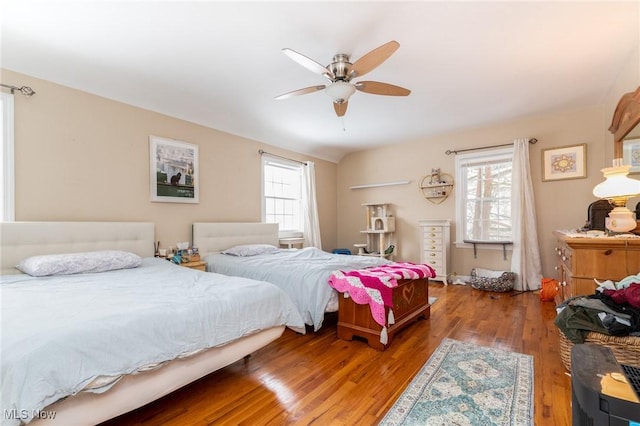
(303, 274)
(180, 358)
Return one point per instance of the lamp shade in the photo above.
(617, 184)
(340, 91)
(618, 188)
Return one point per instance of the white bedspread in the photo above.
(303, 274)
(60, 333)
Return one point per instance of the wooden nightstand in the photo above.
(200, 265)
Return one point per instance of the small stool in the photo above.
(360, 248)
(292, 241)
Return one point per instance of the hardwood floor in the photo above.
(321, 380)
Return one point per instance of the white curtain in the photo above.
(525, 260)
(7, 168)
(310, 206)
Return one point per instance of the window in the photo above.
(7, 160)
(483, 197)
(282, 195)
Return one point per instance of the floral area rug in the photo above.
(466, 384)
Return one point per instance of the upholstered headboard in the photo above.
(214, 237)
(20, 240)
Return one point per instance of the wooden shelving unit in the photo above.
(436, 187)
(380, 227)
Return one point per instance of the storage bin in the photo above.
(484, 279)
(341, 251)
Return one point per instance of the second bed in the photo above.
(303, 274)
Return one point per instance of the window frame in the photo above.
(477, 157)
(280, 162)
(7, 210)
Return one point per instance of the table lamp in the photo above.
(618, 188)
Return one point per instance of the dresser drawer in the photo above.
(581, 286)
(432, 245)
(432, 235)
(432, 241)
(434, 262)
(605, 263)
(432, 255)
(426, 229)
(565, 255)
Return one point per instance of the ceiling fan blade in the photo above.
(340, 108)
(300, 92)
(374, 58)
(377, 88)
(308, 63)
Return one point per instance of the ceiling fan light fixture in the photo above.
(341, 72)
(340, 91)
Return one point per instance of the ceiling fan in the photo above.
(340, 72)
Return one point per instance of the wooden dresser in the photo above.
(581, 259)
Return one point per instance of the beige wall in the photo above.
(83, 157)
(560, 204)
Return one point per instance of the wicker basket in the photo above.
(626, 349)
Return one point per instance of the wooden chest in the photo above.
(410, 301)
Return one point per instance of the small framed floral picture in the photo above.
(631, 154)
(567, 162)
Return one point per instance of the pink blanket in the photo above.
(374, 286)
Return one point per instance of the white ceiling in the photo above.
(220, 64)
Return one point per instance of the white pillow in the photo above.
(78, 263)
(251, 250)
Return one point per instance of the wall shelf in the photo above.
(377, 185)
(436, 187)
(504, 245)
(437, 191)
